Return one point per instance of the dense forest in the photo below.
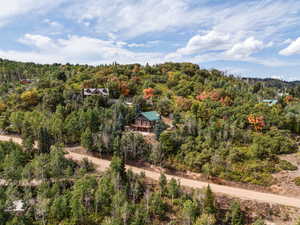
(71, 194)
(219, 125)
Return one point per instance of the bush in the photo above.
(286, 165)
(297, 181)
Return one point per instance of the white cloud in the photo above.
(245, 49)
(38, 41)
(133, 18)
(236, 32)
(211, 41)
(77, 49)
(215, 46)
(12, 8)
(292, 49)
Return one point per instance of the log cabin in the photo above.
(145, 121)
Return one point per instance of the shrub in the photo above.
(297, 181)
(286, 165)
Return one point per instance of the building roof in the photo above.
(152, 116)
(270, 101)
(96, 91)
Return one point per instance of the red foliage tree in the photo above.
(258, 122)
(148, 93)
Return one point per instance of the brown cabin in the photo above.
(145, 121)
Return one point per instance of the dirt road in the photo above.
(102, 165)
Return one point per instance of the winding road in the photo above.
(101, 165)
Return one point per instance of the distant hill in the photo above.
(276, 83)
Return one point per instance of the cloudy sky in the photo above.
(248, 38)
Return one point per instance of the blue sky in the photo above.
(247, 38)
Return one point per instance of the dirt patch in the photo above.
(285, 179)
(272, 214)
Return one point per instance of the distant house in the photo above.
(270, 102)
(145, 121)
(16, 207)
(96, 91)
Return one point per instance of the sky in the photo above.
(256, 38)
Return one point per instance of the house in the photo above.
(145, 121)
(25, 81)
(16, 207)
(96, 91)
(270, 102)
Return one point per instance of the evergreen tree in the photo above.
(117, 167)
(87, 140)
(159, 128)
(189, 211)
(163, 183)
(45, 140)
(209, 201)
(235, 215)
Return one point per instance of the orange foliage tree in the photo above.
(214, 96)
(258, 122)
(124, 88)
(148, 93)
(288, 99)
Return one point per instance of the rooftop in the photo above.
(270, 101)
(152, 115)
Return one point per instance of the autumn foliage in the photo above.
(257, 122)
(124, 89)
(148, 93)
(288, 99)
(214, 96)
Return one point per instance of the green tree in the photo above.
(259, 222)
(235, 215)
(159, 127)
(157, 207)
(209, 201)
(173, 189)
(117, 166)
(163, 183)
(189, 211)
(206, 219)
(87, 139)
(45, 140)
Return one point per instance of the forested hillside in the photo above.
(219, 124)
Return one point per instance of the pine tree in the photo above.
(209, 201)
(235, 215)
(118, 169)
(87, 140)
(163, 183)
(159, 128)
(45, 140)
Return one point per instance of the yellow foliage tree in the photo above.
(30, 97)
(2, 107)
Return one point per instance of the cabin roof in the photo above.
(270, 101)
(152, 115)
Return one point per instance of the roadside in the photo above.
(102, 164)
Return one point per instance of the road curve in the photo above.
(101, 165)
